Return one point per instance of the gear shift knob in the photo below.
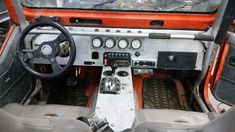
(114, 66)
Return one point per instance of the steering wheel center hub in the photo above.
(46, 50)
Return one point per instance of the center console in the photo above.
(116, 98)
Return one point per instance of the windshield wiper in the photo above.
(102, 3)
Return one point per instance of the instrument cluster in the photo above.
(121, 43)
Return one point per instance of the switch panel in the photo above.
(122, 59)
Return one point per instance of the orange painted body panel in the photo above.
(11, 11)
(137, 84)
(212, 78)
(222, 61)
(129, 19)
(93, 86)
(7, 38)
(138, 87)
(207, 82)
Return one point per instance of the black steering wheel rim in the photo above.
(63, 31)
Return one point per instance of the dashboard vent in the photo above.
(157, 23)
(85, 21)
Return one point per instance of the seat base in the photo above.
(171, 117)
(11, 123)
(221, 123)
(45, 111)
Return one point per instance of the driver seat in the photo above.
(45, 111)
(43, 118)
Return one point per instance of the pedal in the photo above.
(71, 81)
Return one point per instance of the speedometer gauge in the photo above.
(136, 44)
(97, 42)
(123, 43)
(110, 43)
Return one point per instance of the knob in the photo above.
(171, 58)
(137, 54)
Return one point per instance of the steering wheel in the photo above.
(47, 50)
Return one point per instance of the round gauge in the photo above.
(123, 43)
(110, 43)
(97, 42)
(136, 44)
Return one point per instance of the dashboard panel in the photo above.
(97, 47)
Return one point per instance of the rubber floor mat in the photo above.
(160, 94)
(62, 94)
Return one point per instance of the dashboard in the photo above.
(130, 47)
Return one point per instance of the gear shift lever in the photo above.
(110, 84)
(114, 67)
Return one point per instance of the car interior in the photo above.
(57, 77)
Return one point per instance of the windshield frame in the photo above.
(122, 19)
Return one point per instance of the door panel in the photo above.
(15, 82)
(225, 87)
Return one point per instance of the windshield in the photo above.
(129, 5)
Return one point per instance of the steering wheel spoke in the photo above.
(60, 39)
(27, 51)
(30, 54)
(27, 57)
(55, 65)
